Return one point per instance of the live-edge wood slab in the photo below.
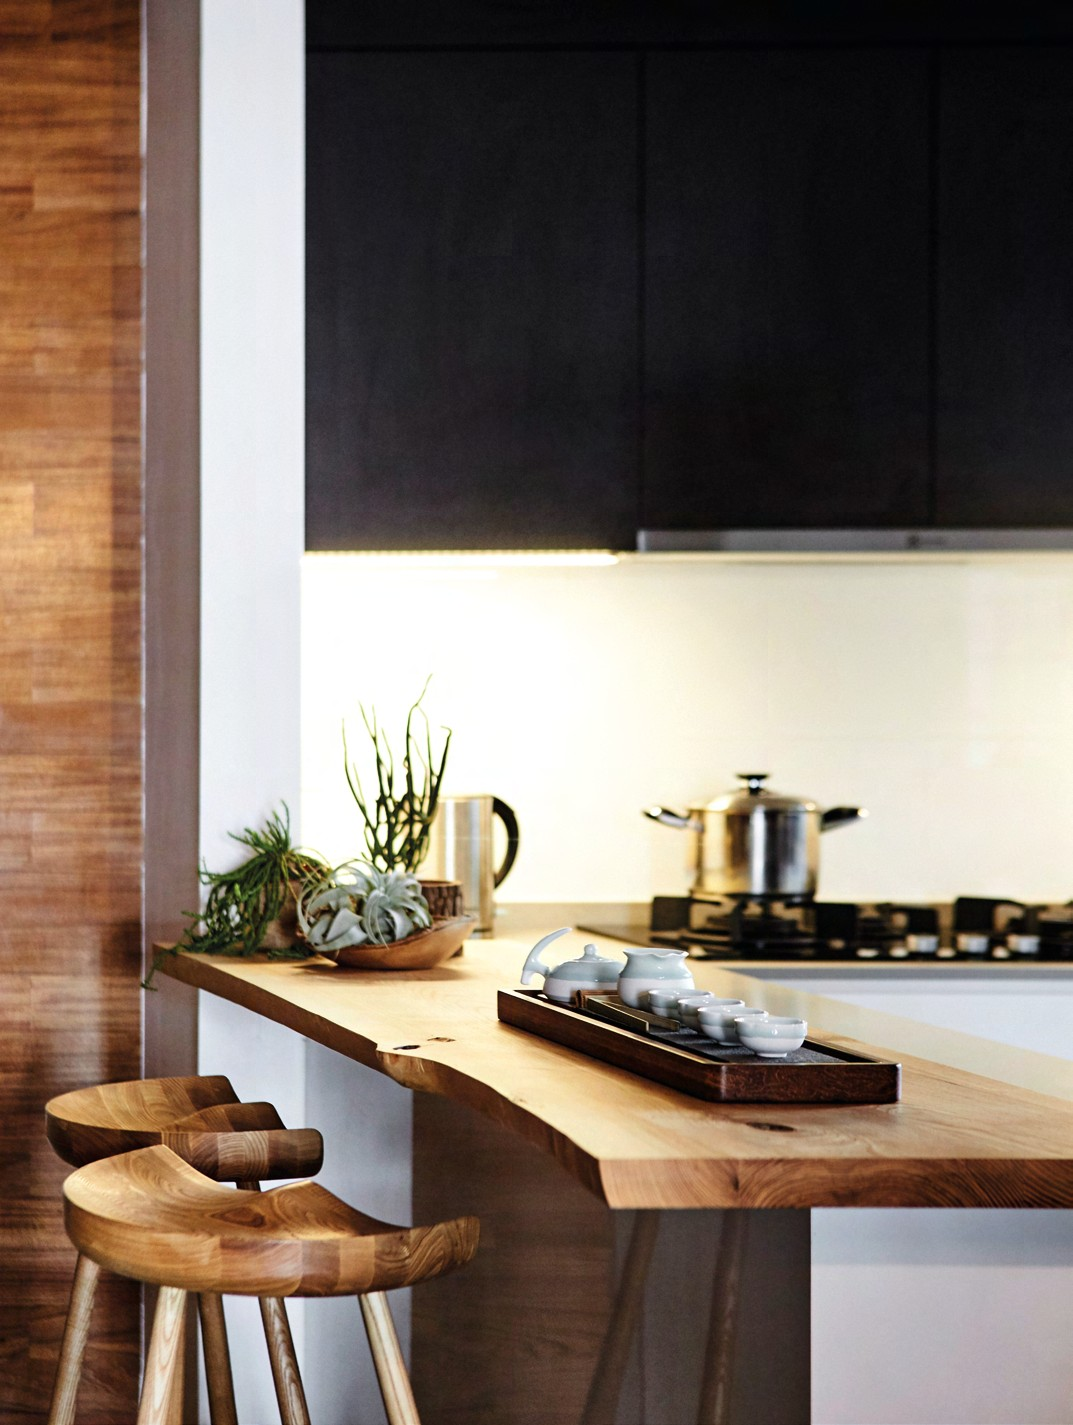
(956, 1139)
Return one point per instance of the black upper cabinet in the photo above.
(786, 289)
(1005, 288)
(471, 300)
(558, 295)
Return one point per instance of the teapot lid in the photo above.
(589, 966)
(755, 796)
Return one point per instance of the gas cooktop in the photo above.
(971, 928)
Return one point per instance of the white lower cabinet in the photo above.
(961, 1317)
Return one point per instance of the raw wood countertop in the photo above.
(979, 1125)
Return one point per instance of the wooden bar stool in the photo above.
(201, 1119)
(150, 1216)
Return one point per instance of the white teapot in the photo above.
(591, 971)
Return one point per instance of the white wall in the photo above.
(939, 695)
(252, 462)
(252, 411)
(252, 441)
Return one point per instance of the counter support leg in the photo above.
(723, 1322)
(724, 1335)
(602, 1404)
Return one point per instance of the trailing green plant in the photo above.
(357, 904)
(397, 820)
(244, 903)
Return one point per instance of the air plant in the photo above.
(398, 819)
(252, 907)
(358, 904)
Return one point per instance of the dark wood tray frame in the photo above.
(855, 1078)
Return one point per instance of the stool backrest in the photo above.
(199, 1117)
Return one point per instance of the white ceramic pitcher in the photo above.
(652, 970)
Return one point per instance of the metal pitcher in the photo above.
(460, 849)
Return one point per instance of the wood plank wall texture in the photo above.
(70, 659)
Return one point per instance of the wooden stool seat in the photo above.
(149, 1215)
(199, 1117)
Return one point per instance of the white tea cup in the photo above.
(739, 1021)
(663, 1002)
(717, 1021)
(772, 1037)
(711, 1015)
(688, 1005)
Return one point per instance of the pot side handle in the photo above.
(840, 816)
(666, 817)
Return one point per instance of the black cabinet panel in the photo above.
(471, 300)
(340, 24)
(1005, 288)
(786, 289)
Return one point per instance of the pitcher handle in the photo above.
(510, 821)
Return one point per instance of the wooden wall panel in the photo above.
(70, 647)
(172, 631)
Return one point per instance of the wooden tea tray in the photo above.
(816, 1073)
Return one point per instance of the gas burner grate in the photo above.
(969, 929)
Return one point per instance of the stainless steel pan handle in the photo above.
(840, 816)
(666, 817)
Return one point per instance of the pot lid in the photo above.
(754, 796)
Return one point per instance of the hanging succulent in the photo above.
(398, 818)
(357, 904)
(253, 906)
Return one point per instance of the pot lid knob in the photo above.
(754, 781)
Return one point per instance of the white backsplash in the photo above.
(938, 695)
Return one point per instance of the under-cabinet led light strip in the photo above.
(476, 558)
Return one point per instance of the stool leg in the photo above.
(387, 1358)
(288, 1381)
(285, 1373)
(75, 1332)
(218, 1379)
(163, 1369)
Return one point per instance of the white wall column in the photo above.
(252, 500)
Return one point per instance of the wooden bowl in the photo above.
(417, 952)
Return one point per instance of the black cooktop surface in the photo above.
(970, 928)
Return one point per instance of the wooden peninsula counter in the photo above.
(978, 1125)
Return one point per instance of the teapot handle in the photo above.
(533, 963)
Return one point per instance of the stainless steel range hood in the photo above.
(850, 541)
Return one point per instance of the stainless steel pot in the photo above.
(754, 842)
